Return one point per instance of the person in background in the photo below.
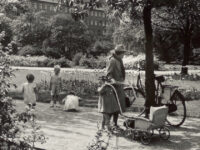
(55, 86)
(29, 90)
(108, 104)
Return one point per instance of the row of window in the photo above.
(44, 6)
(53, 7)
(96, 23)
(97, 14)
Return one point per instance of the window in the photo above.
(34, 5)
(48, 7)
(40, 6)
(100, 23)
(43, 6)
(100, 14)
(91, 22)
(96, 23)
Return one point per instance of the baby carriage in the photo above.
(142, 128)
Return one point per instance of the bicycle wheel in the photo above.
(137, 99)
(177, 117)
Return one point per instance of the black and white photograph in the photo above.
(99, 74)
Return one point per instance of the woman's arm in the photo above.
(50, 84)
(61, 84)
(110, 69)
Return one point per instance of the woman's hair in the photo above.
(56, 69)
(30, 78)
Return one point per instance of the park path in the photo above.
(74, 130)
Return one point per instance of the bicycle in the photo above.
(175, 103)
(136, 93)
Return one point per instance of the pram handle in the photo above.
(111, 81)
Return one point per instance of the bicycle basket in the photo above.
(127, 101)
(171, 108)
(160, 78)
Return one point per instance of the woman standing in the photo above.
(108, 104)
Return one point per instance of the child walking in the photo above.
(55, 86)
(29, 91)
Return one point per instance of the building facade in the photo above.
(96, 20)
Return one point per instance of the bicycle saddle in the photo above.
(160, 78)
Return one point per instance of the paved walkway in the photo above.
(74, 130)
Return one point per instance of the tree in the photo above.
(5, 25)
(183, 18)
(13, 9)
(167, 45)
(69, 36)
(31, 28)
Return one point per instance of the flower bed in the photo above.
(85, 82)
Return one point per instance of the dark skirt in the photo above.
(108, 102)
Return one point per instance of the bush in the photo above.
(63, 62)
(30, 50)
(77, 58)
(34, 61)
(92, 63)
(52, 52)
(131, 62)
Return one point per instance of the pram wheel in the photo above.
(129, 134)
(164, 133)
(145, 138)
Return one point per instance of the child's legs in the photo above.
(54, 99)
(106, 119)
(115, 118)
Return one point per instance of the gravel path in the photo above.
(74, 130)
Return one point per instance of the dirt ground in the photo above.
(75, 130)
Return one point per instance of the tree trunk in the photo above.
(186, 50)
(186, 53)
(149, 69)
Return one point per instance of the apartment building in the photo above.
(96, 19)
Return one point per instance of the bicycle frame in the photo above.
(138, 86)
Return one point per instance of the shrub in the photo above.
(52, 52)
(92, 63)
(77, 58)
(131, 62)
(30, 50)
(86, 62)
(63, 62)
(34, 61)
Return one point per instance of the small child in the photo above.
(71, 102)
(103, 106)
(55, 86)
(29, 91)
